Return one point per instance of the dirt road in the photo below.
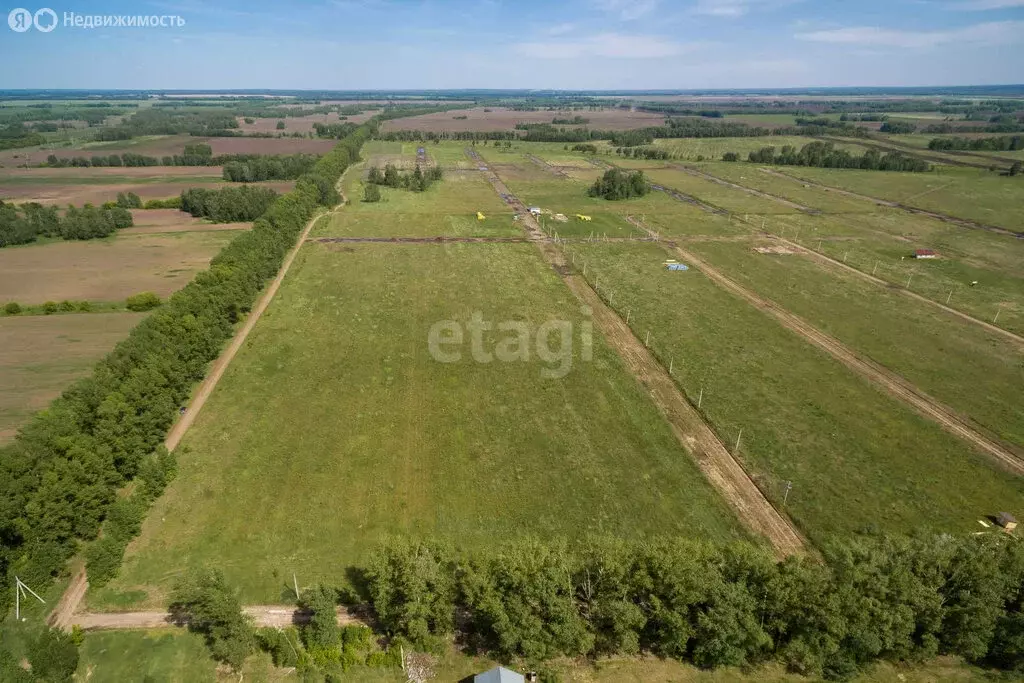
(278, 616)
(700, 442)
(890, 381)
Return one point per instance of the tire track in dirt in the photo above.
(896, 385)
(963, 222)
(277, 616)
(715, 461)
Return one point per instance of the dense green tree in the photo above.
(617, 184)
(204, 601)
(371, 193)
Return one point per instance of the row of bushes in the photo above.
(866, 599)
(825, 155)
(1004, 143)
(245, 168)
(25, 223)
(230, 205)
(144, 301)
(59, 477)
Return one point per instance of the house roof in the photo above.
(924, 251)
(499, 675)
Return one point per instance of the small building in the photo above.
(925, 253)
(1007, 521)
(499, 675)
(535, 210)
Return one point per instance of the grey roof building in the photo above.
(499, 675)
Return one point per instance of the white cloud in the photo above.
(627, 9)
(980, 5)
(615, 45)
(991, 32)
(736, 8)
(560, 29)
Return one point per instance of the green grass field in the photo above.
(883, 242)
(962, 192)
(335, 428)
(969, 369)
(728, 198)
(712, 149)
(857, 458)
(749, 175)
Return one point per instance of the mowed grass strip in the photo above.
(335, 427)
(973, 371)
(41, 355)
(883, 244)
(961, 192)
(858, 459)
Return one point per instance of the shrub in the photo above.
(203, 599)
(84, 306)
(66, 306)
(12, 308)
(53, 656)
(50, 307)
(371, 193)
(280, 125)
(145, 301)
(730, 156)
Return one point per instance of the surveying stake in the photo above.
(19, 593)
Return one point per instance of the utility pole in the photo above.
(20, 592)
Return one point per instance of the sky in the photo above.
(578, 44)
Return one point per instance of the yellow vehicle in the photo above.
(582, 217)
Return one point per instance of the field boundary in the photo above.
(893, 383)
(698, 439)
(963, 222)
(828, 260)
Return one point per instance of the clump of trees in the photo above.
(417, 180)
(866, 599)
(586, 148)
(1003, 143)
(574, 121)
(230, 205)
(898, 127)
(617, 184)
(25, 223)
(128, 201)
(60, 476)
(730, 156)
(825, 155)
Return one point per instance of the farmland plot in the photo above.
(857, 458)
(282, 474)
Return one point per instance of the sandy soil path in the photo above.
(278, 616)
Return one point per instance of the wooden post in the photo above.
(700, 399)
(647, 339)
(738, 436)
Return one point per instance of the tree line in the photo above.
(25, 223)
(230, 205)
(1004, 143)
(825, 155)
(617, 184)
(867, 599)
(61, 474)
(254, 168)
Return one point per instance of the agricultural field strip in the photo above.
(944, 157)
(894, 204)
(697, 438)
(72, 598)
(828, 260)
(472, 240)
(748, 190)
(893, 383)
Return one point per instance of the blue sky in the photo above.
(585, 44)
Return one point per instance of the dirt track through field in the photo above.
(896, 385)
(277, 616)
(712, 457)
(963, 222)
(64, 614)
